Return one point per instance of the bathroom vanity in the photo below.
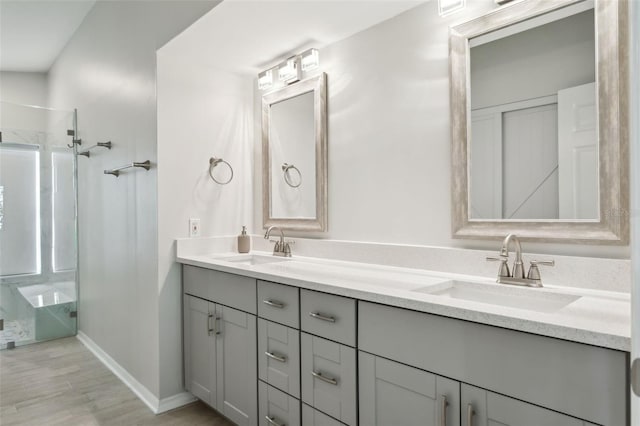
(275, 341)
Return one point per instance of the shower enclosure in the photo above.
(38, 224)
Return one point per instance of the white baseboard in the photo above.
(156, 405)
(175, 401)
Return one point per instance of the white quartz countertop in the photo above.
(599, 318)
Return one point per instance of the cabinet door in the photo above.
(483, 408)
(199, 349)
(237, 377)
(279, 356)
(396, 394)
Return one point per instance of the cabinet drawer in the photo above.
(580, 380)
(279, 356)
(328, 371)
(227, 289)
(277, 408)
(313, 417)
(326, 315)
(279, 303)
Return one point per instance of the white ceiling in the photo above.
(34, 32)
(243, 36)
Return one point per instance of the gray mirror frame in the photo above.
(317, 85)
(613, 127)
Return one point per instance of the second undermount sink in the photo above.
(253, 259)
(529, 299)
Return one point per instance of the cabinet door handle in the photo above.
(209, 328)
(273, 303)
(319, 316)
(443, 411)
(276, 357)
(272, 421)
(216, 320)
(324, 378)
(470, 414)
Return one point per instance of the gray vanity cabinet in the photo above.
(581, 381)
(277, 407)
(484, 408)
(279, 356)
(199, 349)
(328, 372)
(236, 361)
(396, 394)
(220, 342)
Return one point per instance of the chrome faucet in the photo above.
(517, 275)
(282, 247)
(518, 269)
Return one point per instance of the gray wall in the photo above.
(108, 72)
(534, 63)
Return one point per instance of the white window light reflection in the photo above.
(447, 7)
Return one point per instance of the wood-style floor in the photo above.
(61, 383)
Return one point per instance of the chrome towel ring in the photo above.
(287, 177)
(213, 162)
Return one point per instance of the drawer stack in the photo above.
(278, 354)
(306, 357)
(328, 367)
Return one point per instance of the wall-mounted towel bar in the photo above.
(116, 172)
(74, 141)
(98, 145)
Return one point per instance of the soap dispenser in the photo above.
(244, 241)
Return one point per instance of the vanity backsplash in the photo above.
(569, 271)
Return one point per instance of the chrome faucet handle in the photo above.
(534, 272)
(504, 268)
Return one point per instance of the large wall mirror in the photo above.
(294, 152)
(539, 122)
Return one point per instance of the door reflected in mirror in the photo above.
(533, 152)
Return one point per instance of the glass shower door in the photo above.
(38, 256)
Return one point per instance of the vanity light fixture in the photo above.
(447, 7)
(289, 70)
(309, 59)
(265, 79)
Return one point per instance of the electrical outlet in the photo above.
(194, 227)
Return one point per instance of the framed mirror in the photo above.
(539, 126)
(294, 156)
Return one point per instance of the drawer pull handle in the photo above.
(209, 327)
(470, 414)
(272, 421)
(324, 378)
(216, 330)
(319, 316)
(276, 357)
(443, 412)
(275, 304)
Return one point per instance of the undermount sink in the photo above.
(253, 259)
(529, 299)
